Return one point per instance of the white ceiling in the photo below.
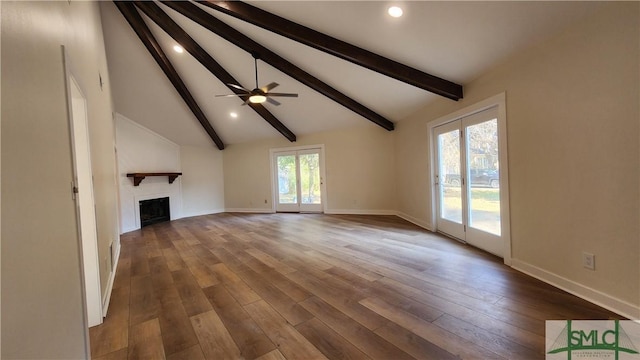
(457, 41)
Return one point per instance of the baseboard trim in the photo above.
(415, 221)
(599, 298)
(359, 212)
(106, 299)
(248, 210)
(202, 213)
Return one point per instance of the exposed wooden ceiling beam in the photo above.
(339, 48)
(237, 38)
(134, 19)
(156, 14)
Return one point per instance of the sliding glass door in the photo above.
(298, 180)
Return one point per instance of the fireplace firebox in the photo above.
(153, 211)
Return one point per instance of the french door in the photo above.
(298, 180)
(468, 185)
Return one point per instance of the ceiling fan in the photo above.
(259, 94)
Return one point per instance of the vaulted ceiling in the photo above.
(397, 65)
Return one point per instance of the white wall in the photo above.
(202, 180)
(573, 125)
(141, 150)
(42, 301)
(359, 177)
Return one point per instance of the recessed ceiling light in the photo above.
(395, 11)
(179, 49)
(233, 114)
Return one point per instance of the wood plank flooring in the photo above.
(311, 286)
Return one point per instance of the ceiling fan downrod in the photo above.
(256, 56)
(255, 63)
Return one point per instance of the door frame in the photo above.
(90, 268)
(274, 175)
(498, 101)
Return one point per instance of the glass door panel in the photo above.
(287, 181)
(310, 178)
(450, 181)
(299, 181)
(484, 195)
(481, 144)
(451, 189)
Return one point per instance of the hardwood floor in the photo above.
(310, 286)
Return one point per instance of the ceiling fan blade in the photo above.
(239, 87)
(266, 88)
(273, 102)
(281, 94)
(231, 95)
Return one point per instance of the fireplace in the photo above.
(154, 211)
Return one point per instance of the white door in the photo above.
(298, 180)
(85, 205)
(468, 180)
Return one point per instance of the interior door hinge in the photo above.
(74, 191)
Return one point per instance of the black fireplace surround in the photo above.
(153, 211)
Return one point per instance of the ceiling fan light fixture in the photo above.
(257, 99)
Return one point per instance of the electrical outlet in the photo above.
(265, 201)
(588, 261)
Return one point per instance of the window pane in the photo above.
(287, 191)
(310, 178)
(484, 176)
(450, 182)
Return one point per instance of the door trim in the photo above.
(498, 101)
(274, 182)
